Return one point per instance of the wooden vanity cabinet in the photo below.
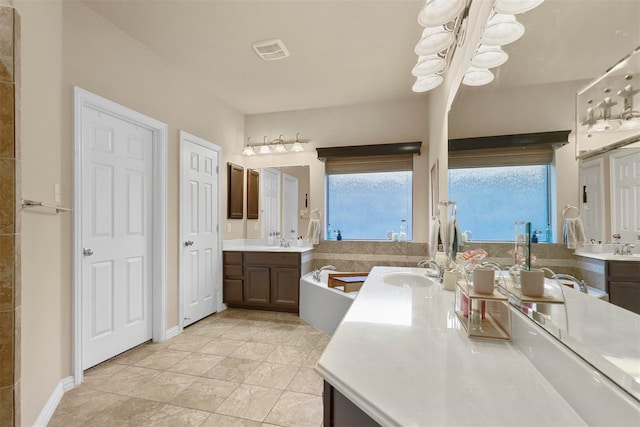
(233, 277)
(270, 280)
(623, 283)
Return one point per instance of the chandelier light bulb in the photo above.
(428, 65)
(502, 29)
(434, 40)
(439, 12)
(427, 83)
(489, 57)
(477, 77)
(514, 7)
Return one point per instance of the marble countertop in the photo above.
(402, 356)
(260, 245)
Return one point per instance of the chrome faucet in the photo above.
(431, 263)
(493, 264)
(284, 243)
(625, 249)
(582, 285)
(316, 273)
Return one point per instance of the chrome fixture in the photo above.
(445, 23)
(491, 264)
(277, 145)
(316, 273)
(582, 285)
(431, 263)
(284, 243)
(625, 249)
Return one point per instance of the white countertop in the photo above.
(405, 360)
(260, 245)
(606, 256)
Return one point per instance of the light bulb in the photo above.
(426, 83)
(477, 77)
(489, 57)
(439, 12)
(502, 29)
(428, 65)
(434, 40)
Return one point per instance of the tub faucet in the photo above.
(582, 285)
(431, 263)
(316, 273)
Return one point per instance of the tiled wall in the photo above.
(9, 219)
(361, 256)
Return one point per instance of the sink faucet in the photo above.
(582, 285)
(493, 264)
(431, 263)
(316, 273)
(284, 243)
(624, 249)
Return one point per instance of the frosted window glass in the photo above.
(490, 200)
(366, 206)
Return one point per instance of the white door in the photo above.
(626, 194)
(200, 277)
(289, 206)
(592, 213)
(270, 201)
(116, 235)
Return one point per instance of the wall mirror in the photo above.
(235, 191)
(567, 45)
(253, 193)
(283, 203)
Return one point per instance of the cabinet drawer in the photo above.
(233, 271)
(286, 259)
(623, 270)
(232, 257)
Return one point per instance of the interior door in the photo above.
(270, 201)
(626, 194)
(592, 182)
(289, 206)
(116, 235)
(200, 258)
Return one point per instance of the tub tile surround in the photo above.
(9, 218)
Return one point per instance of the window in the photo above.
(366, 206)
(490, 200)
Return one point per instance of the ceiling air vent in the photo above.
(270, 50)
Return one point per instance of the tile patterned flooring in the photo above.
(235, 368)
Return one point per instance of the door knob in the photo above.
(87, 251)
(188, 243)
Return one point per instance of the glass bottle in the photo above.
(402, 236)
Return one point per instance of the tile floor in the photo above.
(235, 368)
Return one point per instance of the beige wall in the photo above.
(348, 125)
(66, 44)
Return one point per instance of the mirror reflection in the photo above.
(283, 210)
(566, 47)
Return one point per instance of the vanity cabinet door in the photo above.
(256, 285)
(625, 295)
(285, 286)
(232, 291)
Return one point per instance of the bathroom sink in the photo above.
(406, 280)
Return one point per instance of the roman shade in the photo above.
(505, 150)
(369, 158)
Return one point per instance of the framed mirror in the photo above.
(253, 193)
(235, 191)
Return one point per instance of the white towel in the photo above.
(434, 238)
(573, 232)
(313, 231)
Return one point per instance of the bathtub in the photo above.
(321, 306)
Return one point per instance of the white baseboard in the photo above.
(172, 332)
(49, 408)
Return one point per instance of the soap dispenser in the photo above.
(339, 237)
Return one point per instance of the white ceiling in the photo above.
(351, 52)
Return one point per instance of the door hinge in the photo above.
(217, 169)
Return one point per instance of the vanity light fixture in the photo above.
(445, 23)
(248, 149)
(264, 148)
(297, 145)
(277, 146)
